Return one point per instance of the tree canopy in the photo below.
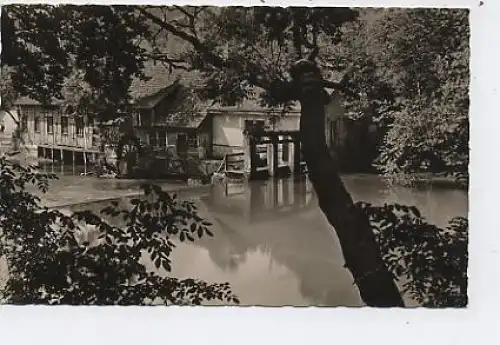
(246, 47)
(412, 67)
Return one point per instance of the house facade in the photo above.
(54, 133)
(172, 120)
(166, 117)
(230, 123)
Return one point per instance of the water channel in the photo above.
(273, 244)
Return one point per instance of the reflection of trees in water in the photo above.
(229, 249)
(298, 239)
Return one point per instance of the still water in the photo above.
(274, 246)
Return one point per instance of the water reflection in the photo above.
(277, 224)
(274, 229)
(274, 246)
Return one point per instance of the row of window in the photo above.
(158, 138)
(49, 122)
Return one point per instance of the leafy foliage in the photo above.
(48, 43)
(257, 46)
(9, 94)
(411, 66)
(430, 262)
(8, 97)
(56, 258)
(45, 44)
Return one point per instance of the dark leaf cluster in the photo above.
(80, 258)
(429, 262)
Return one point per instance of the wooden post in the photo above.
(253, 152)
(84, 145)
(270, 159)
(291, 157)
(275, 155)
(247, 155)
(296, 154)
(73, 161)
(84, 162)
(53, 139)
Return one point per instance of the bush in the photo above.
(429, 262)
(52, 260)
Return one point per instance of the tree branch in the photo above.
(340, 87)
(210, 57)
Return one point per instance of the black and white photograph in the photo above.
(234, 156)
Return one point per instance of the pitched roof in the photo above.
(184, 108)
(252, 105)
(190, 120)
(161, 82)
(158, 79)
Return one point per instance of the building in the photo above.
(174, 118)
(229, 124)
(53, 132)
(167, 116)
(56, 133)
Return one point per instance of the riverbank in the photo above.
(438, 180)
(78, 190)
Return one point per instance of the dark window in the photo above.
(36, 123)
(146, 118)
(79, 125)
(162, 138)
(254, 125)
(50, 124)
(192, 140)
(153, 140)
(285, 151)
(64, 125)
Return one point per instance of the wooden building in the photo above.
(168, 117)
(174, 119)
(54, 133)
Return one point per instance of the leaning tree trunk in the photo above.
(361, 253)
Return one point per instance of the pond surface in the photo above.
(275, 247)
